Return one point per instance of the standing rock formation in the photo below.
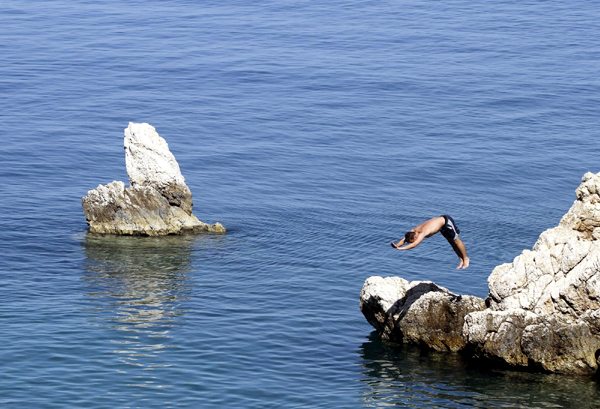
(543, 309)
(158, 202)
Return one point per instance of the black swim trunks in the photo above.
(449, 231)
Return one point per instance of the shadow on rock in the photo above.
(418, 312)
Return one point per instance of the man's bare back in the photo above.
(431, 227)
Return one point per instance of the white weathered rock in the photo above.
(543, 307)
(540, 341)
(419, 312)
(149, 162)
(158, 202)
(148, 158)
(584, 215)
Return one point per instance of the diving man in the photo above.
(444, 224)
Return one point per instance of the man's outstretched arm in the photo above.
(401, 242)
(415, 243)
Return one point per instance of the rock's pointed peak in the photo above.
(148, 158)
(584, 215)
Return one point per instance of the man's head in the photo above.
(410, 236)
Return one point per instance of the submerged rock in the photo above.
(543, 309)
(158, 202)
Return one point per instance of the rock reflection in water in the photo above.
(407, 376)
(137, 285)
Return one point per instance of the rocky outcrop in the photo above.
(543, 309)
(157, 202)
(417, 312)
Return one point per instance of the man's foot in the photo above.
(463, 263)
(466, 263)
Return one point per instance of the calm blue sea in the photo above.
(316, 132)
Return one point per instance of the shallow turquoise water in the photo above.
(316, 133)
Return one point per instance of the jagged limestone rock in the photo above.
(544, 306)
(158, 202)
(584, 215)
(418, 312)
(540, 341)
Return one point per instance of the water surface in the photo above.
(316, 133)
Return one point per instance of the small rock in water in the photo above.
(158, 202)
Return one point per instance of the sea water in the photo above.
(316, 132)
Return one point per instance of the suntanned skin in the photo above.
(428, 229)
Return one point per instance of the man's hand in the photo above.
(402, 245)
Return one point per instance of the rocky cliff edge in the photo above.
(542, 311)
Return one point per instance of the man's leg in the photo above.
(461, 252)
